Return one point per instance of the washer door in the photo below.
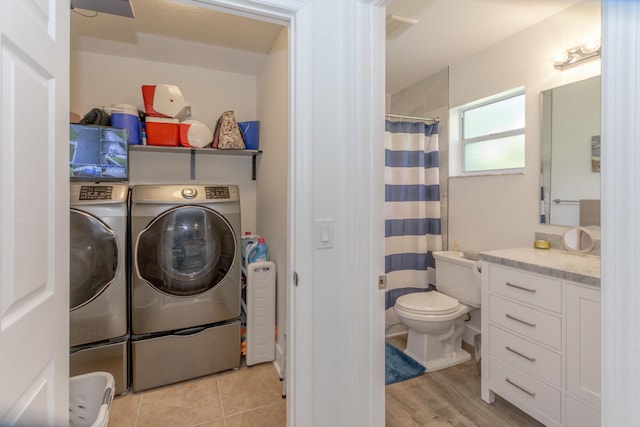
(186, 251)
(93, 258)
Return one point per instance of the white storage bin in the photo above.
(90, 397)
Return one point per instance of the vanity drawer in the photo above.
(539, 400)
(528, 322)
(527, 356)
(543, 292)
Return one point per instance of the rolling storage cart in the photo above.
(259, 306)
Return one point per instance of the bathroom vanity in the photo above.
(541, 333)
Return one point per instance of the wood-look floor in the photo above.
(450, 397)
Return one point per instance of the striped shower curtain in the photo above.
(412, 207)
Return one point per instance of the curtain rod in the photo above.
(425, 119)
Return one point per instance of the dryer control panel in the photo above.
(185, 193)
(217, 192)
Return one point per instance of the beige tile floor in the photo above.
(249, 396)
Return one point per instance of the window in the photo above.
(492, 134)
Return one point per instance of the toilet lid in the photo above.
(427, 303)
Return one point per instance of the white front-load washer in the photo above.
(185, 281)
(98, 316)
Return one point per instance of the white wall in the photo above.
(272, 186)
(490, 212)
(101, 80)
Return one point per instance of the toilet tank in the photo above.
(456, 278)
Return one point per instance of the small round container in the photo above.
(542, 244)
(194, 133)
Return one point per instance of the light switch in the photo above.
(324, 234)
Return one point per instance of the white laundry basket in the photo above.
(90, 397)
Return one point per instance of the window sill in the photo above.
(504, 172)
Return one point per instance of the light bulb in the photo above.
(561, 57)
(590, 46)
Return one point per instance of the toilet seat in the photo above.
(428, 303)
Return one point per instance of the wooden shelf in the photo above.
(192, 151)
(172, 149)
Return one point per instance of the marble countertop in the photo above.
(581, 268)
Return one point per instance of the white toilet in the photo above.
(436, 319)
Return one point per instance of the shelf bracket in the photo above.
(193, 165)
(253, 167)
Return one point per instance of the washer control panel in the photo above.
(95, 192)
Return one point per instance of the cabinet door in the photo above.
(583, 343)
(580, 414)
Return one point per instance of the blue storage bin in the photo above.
(251, 133)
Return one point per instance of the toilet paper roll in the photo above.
(477, 269)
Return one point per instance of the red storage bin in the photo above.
(163, 131)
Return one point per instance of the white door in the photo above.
(34, 212)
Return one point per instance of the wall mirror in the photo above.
(570, 145)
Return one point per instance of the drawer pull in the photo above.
(513, 285)
(519, 387)
(529, 358)
(524, 322)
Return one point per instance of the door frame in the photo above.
(620, 212)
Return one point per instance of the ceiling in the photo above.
(450, 30)
(166, 31)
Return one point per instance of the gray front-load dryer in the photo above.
(185, 281)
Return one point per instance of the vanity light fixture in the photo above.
(585, 52)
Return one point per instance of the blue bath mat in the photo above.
(398, 366)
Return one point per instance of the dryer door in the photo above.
(93, 260)
(186, 251)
